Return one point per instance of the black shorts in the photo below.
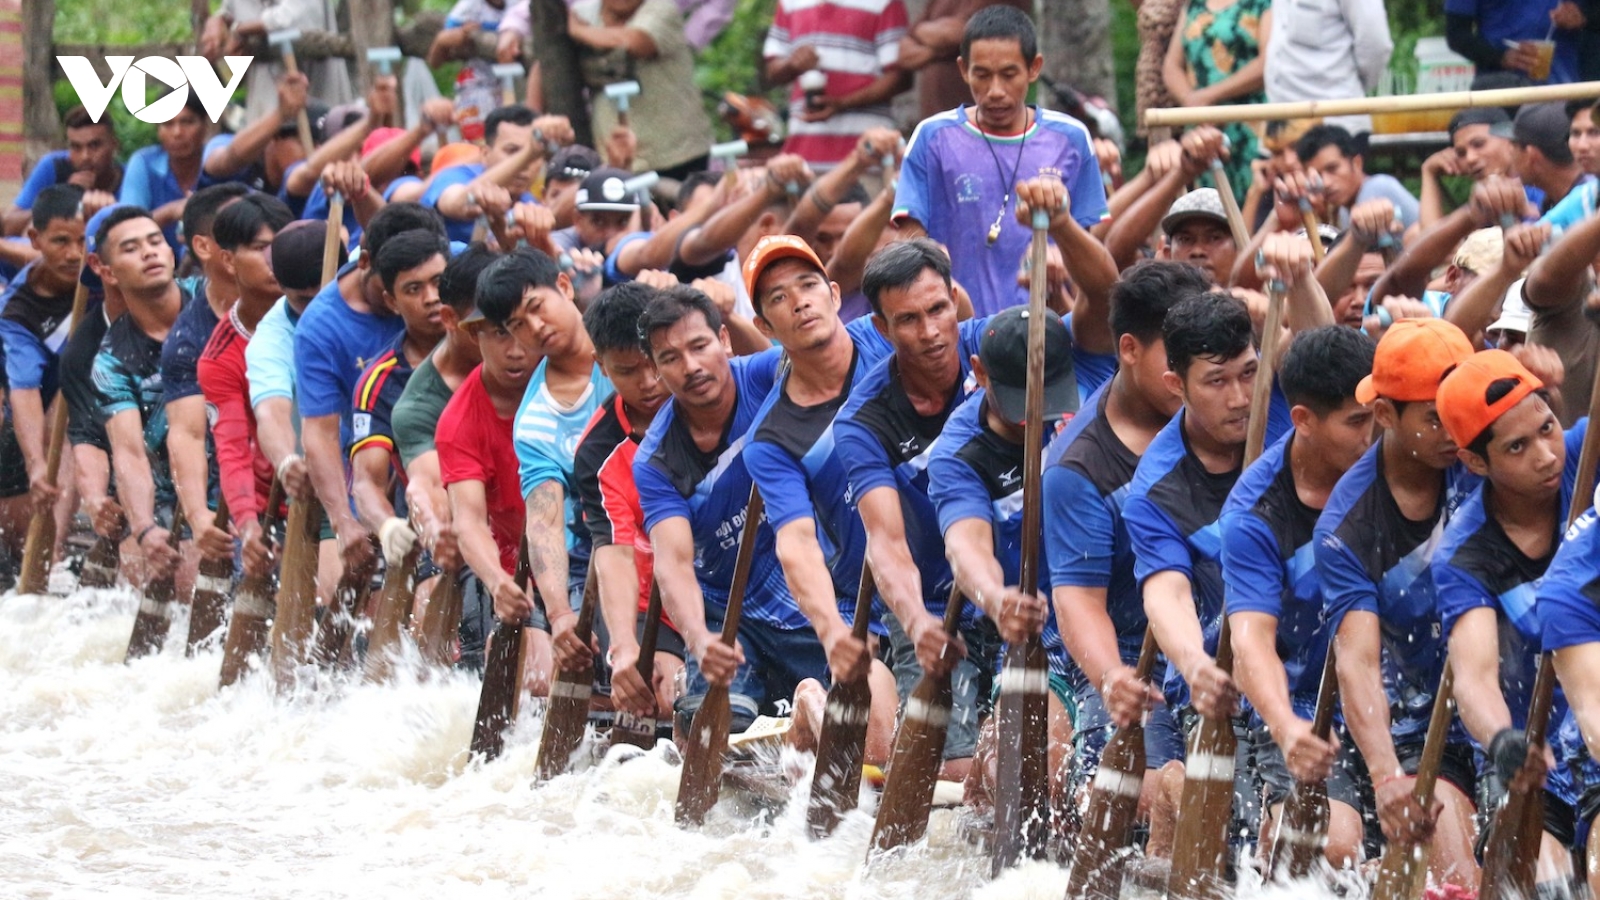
(1456, 767)
(668, 640)
(13, 470)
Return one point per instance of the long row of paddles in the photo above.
(286, 623)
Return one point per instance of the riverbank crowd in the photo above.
(1292, 483)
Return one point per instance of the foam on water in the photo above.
(145, 781)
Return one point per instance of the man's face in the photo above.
(831, 231)
(999, 77)
(1217, 395)
(1481, 153)
(61, 248)
(509, 140)
(504, 357)
(548, 323)
(137, 257)
(1583, 138)
(636, 380)
(799, 307)
(1527, 451)
(1146, 366)
(1347, 309)
(561, 196)
(920, 321)
(1341, 175)
(692, 360)
(1206, 243)
(92, 148)
(596, 230)
(1420, 433)
(250, 268)
(184, 136)
(1341, 436)
(416, 298)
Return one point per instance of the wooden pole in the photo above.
(295, 621)
(836, 778)
(567, 714)
(252, 607)
(502, 677)
(212, 586)
(101, 563)
(394, 604)
(1359, 106)
(155, 607)
(436, 633)
(1302, 829)
(1403, 870)
(336, 633)
(627, 728)
(1022, 788)
(331, 243)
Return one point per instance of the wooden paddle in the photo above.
(441, 619)
(101, 563)
(1308, 217)
(836, 778)
(295, 620)
(336, 633)
(1403, 870)
(1022, 786)
(566, 716)
(213, 583)
(1113, 808)
(627, 728)
(155, 607)
(330, 242)
(502, 677)
(41, 538)
(707, 741)
(252, 606)
(1513, 847)
(388, 619)
(918, 752)
(1302, 829)
(1200, 850)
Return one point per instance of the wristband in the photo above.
(285, 463)
(1385, 318)
(822, 205)
(147, 529)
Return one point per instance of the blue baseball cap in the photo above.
(90, 278)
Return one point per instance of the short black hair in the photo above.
(854, 194)
(1320, 136)
(1494, 393)
(203, 205)
(1574, 107)
(78, 117)
(612, 320)
(671, 306)
(193, 104)
(241, 222)
(999, 22)
(396, 218)
(898, 265)
(117, 216)
(459, 283)
(503, 283)
(58, 201)
(1498, 120)
(1141, 297)
(1213, 325)
(407, 250)
(515, 114)
(692, 183)
(1322, 367)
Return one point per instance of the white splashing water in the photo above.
(146, 781)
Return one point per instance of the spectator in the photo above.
(1500, 36)
(1218, 56)
(1324, 51)
(931, 48)
(90, 162)
(1480, 148)
(477, 89)
(1332, 152)
(242, 27)
(643, 41)
(1544, 158)
(1583, 135)
(855, 44)
(161, 177)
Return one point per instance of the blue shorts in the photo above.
(971, 684)
(776, 660)
(1163, 740)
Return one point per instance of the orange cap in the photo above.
(1412, 359)
(769, 250)
(1464, 404)
(458, 154)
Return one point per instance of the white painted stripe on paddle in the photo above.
(1209, 767)
(155, 608)
(213, 584)
(927, 713)
(249, 603)
(1024, 681)
(571, 691)
(1121, 784)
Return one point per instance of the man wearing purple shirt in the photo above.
(962, 168)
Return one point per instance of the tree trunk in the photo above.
(371, 25)
(41, 124)
(557, 58)
(1075, 38)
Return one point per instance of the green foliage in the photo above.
(733, 61)
(113, 22)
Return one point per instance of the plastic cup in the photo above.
(1545, 54)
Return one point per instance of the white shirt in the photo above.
(1327, 50)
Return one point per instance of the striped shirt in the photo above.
(372, 405)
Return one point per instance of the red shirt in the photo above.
(474, 444)
(245, 471)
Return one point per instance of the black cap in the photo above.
(605, 191)
(296, 255)
(572, 163)
(1004, 353)
(1544, 126)
(316, 115)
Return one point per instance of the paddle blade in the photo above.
(296, 604)
(100, 564)
(1301, 833)
(436, 636)
(836, 783)
(388, 618)
(336, 634)
(1109, 818)
(502, 681)
(35, 575)
(706, 743)
(914, 767)
(1402, 873)
(212, 585)
(151, 624)
(1200, 850)
(565, 718)
(1022, 786)
(247, 628)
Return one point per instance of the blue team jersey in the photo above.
(1268, 566)
(1173, 516)
(333, 345)
(1569, 595)
(709, 490)
(457, 229)
(1371, 558)
(884, 442)
(791, 453)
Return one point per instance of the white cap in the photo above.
(1514, 313)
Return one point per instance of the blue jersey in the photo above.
(1173, 515)
(884, 442)
(457, 229)
(1569, 595)
(792, 456)
(1371, 558)
(709, 490)
(333, 345)
(1268, 566)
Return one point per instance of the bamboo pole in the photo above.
(1358, 106)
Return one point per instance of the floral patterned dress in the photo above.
(1216, 44)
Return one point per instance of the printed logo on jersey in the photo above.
(968, 189)
(211, 415)
(361, 425)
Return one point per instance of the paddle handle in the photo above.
(1230, 205)
(864, 593)
(646, 666)
(1438, 734)
(1147, 655)
(753, 512)
(1261, 391)
(953, 609)
(1033, 427)
(1327, 696)
(1588, 456)
(1308, 217)
(330, 242)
